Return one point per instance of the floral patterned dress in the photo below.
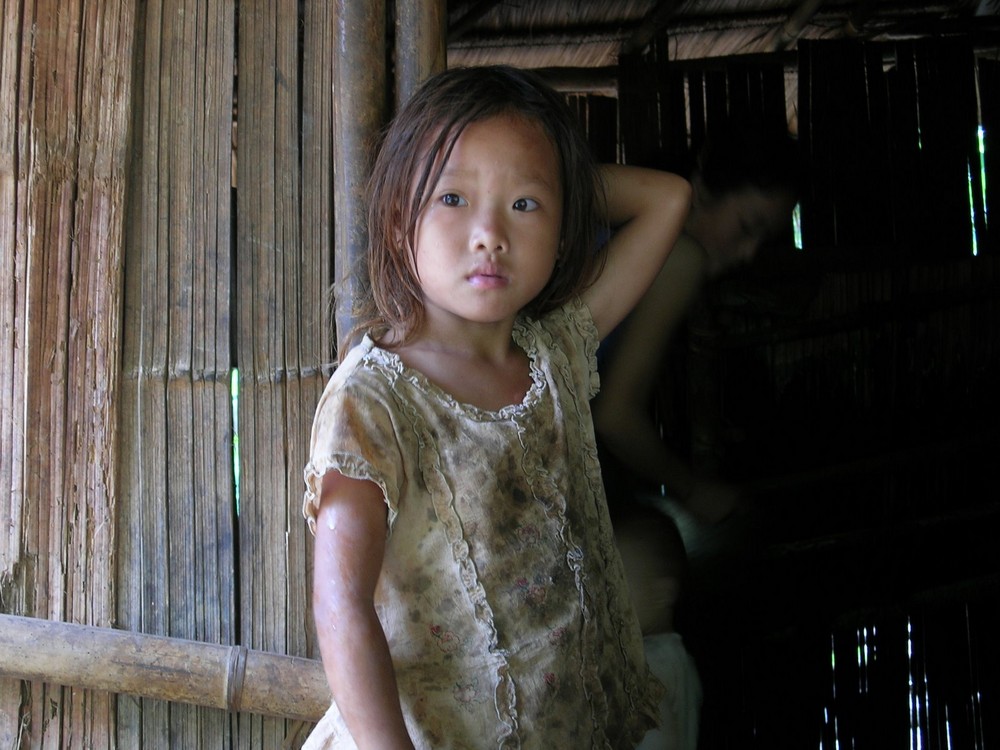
(501, 594)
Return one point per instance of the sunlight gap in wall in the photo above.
(982, 186)
(919, 698)
(234, 388)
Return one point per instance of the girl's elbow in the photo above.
(674, 195)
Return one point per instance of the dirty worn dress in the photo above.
(501, 594)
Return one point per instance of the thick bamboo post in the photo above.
(359, 111)
(234, 678)
(421, 49)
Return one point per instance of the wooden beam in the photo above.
(654, 22)
(792, 28)
(233, 678)
(468, 19)
(603, 81)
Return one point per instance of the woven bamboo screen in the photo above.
(149, 264)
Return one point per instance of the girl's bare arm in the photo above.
(647, 209)
(350, 543)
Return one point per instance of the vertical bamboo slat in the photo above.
(637, 107)
(176, 563)
(13, 309)
(284, 242)
(14, 146)
(64, 189)
(948, 119)
(313, 309)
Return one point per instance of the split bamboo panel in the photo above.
(889, 132)
(66, 96)
(282, 333)
(176, 545)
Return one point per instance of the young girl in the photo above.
(467, 589)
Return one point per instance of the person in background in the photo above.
(467, 589)
(745, 186)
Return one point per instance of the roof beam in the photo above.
(792, 28)
(468, 19)
(651, 25)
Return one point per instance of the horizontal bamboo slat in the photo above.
(234, 678)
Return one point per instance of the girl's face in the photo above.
(488, 238)
(733, 227)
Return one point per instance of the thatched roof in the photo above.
(592, 34)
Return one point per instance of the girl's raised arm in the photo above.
(350, 543)
(646, 208)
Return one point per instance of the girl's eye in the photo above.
(453, 200)
(525, 204)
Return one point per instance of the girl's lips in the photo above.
(487, 281)
(487, 276)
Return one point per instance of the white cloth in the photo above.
(680, 707)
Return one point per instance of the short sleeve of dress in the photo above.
(354, 432)
(573, 331)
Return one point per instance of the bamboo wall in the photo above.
(149, 263)
(851, 387)
(66, 98)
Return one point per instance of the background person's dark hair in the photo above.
(744, 153)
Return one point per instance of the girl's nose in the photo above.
(489, 232)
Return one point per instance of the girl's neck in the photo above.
(485, 371)
(492, 342)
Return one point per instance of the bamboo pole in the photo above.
(421, 51)
(359, 112)
(234, 678)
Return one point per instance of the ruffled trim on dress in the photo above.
(443, 502)
(583, 323)
(532, 336)
(642, 689)
(391, 362)
(349, 465)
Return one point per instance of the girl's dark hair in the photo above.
(745, 153)
(408, 167)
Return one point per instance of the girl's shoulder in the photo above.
(573, 317)
(566, 335)
(361, 382)
(365, 362)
